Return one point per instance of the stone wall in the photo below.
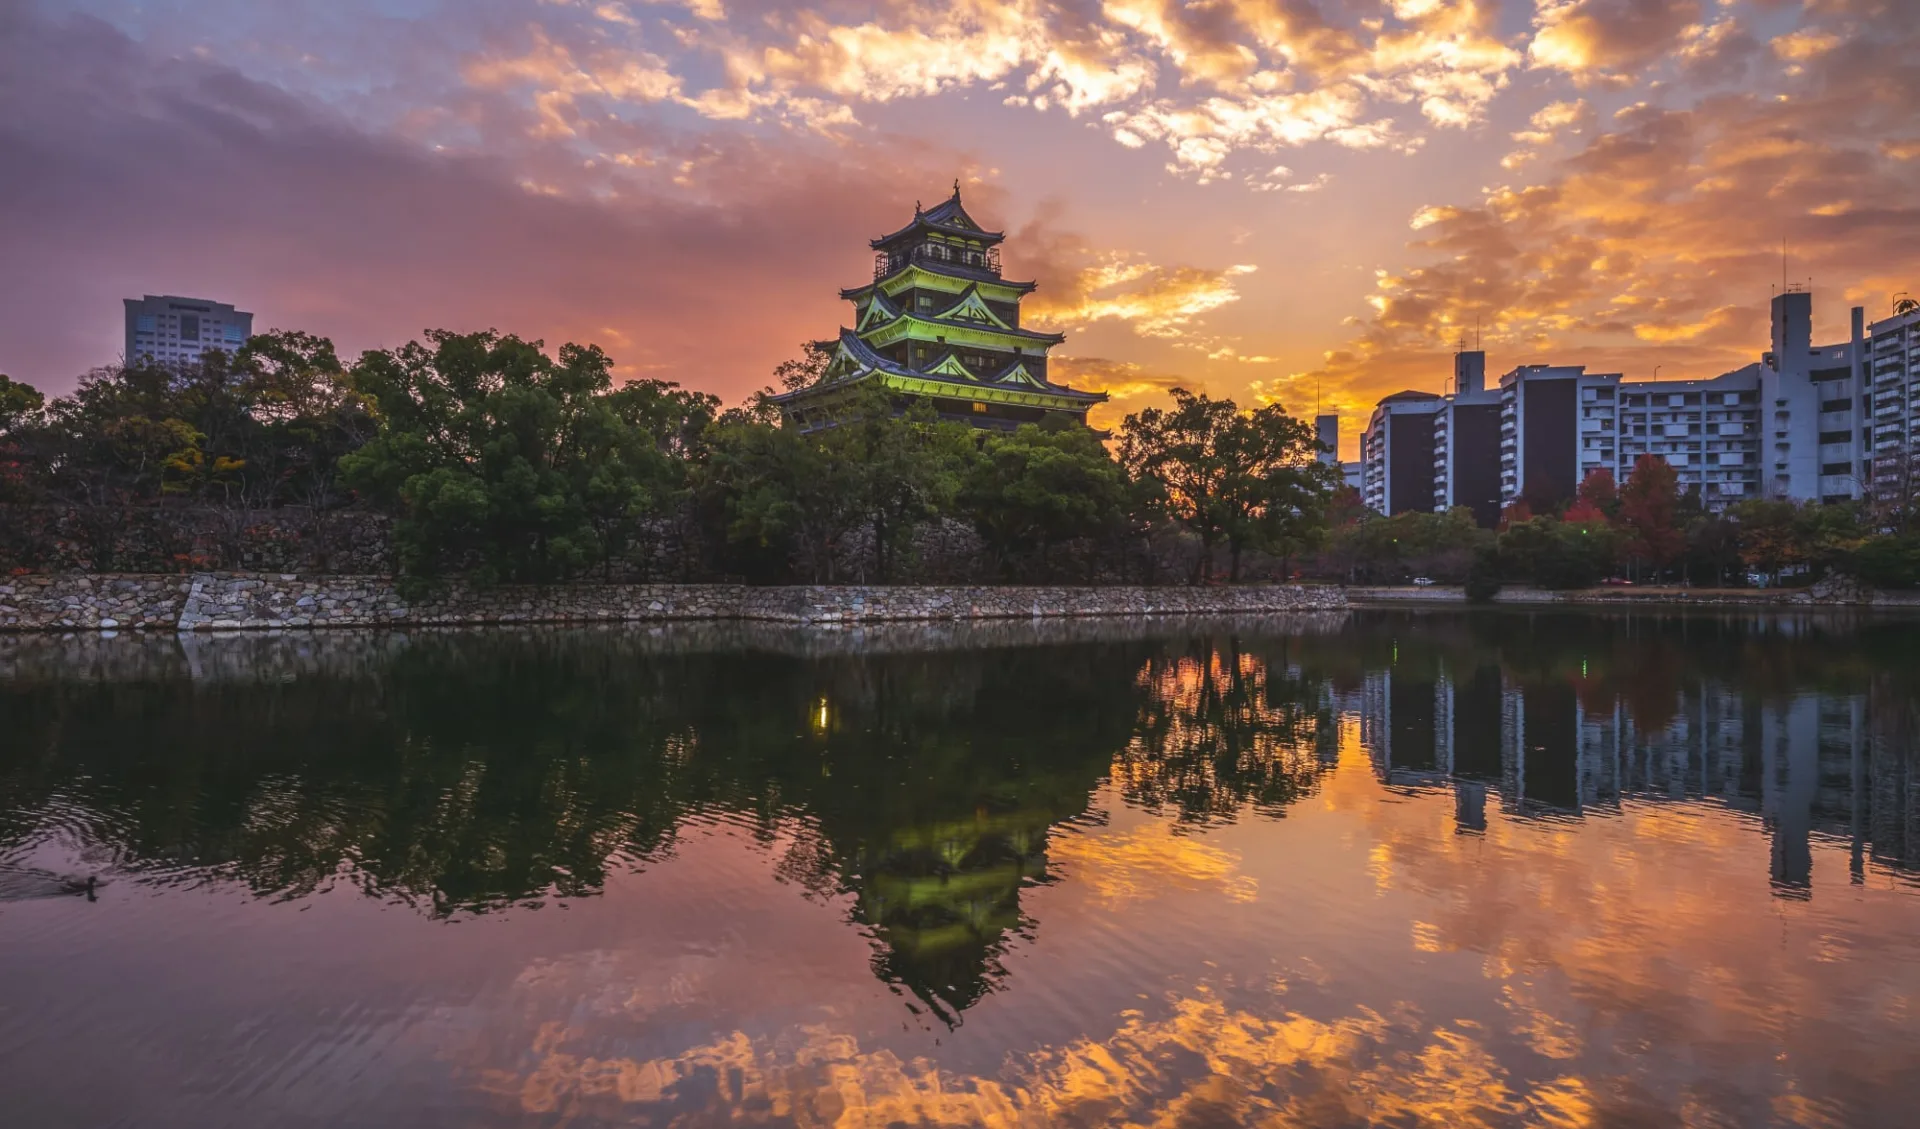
(91, 602)
(1823, 595)
(251, 601)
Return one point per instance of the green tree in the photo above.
(1888, 561)
(1039, 486)
(19, 403)
(1828, 533)
(874, 467)
(1233, 477)
(1557, 554)
(495, 456)
(1276, 494)
(20, 406)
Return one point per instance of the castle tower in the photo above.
(938, 321)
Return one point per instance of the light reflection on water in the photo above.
(1388, 868)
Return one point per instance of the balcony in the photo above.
(940, 257)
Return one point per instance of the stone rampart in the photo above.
(214, 601)
(91, 602)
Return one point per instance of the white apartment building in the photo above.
(1707, 430)
(1804, 422)
(175, 330)
(1892, 374)
(1557, 425)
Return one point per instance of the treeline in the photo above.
(1645, 531)
(500, 461)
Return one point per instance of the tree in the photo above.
(1649, 505)
(1599, 492)
(671, 424)
(806, 369)
(1767, 539)
(1557, 554)
(20, 406)
(1039, 486)
(1713, 548)
(19, 403)
(1277, 491)
(1229, 476)
(496, 456)
(1179, 450)
(870, 469)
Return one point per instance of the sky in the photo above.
(1304, 202)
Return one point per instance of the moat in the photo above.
(1382, 867)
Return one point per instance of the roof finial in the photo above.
(956, 188)
(916, 207)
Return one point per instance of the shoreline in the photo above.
(1785, 599)
(217, 602)
(231, 601)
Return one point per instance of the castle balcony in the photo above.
(985, 262)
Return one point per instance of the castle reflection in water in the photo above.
(1809, 757)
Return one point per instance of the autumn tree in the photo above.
(1649, 505)
(1599, 492)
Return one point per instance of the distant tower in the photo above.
(1326, 428)
(175, 330)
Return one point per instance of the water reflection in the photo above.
(1399, 868)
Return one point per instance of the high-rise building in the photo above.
(1804, 422)
(1556, 427)
(1892, 378)
(939, 322)
(1396, 453)
(1466, 442)
(171, 329)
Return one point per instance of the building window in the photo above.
(1836, 436)
(1836, 468)
(1839, 405)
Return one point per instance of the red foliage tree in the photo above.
(1515, 512)
(1599, 491)
(1649, 509)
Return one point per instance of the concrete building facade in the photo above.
(1466, 441)
(1397, 453)
(1804, 422)
(175, 330)
(1891, 373)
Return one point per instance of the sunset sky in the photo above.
(1275, 200)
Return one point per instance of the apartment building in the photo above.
(1707, 430)
(1397, 453)
(1803, 422)
(176, 330)
(1466, 431)
(1557, 425)
(1891, 371)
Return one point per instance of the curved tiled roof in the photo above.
(941, 218)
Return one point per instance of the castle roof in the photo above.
(947, 217)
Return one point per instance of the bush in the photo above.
(1483, 577)
(1890, 561)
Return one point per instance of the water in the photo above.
(1388, 868)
